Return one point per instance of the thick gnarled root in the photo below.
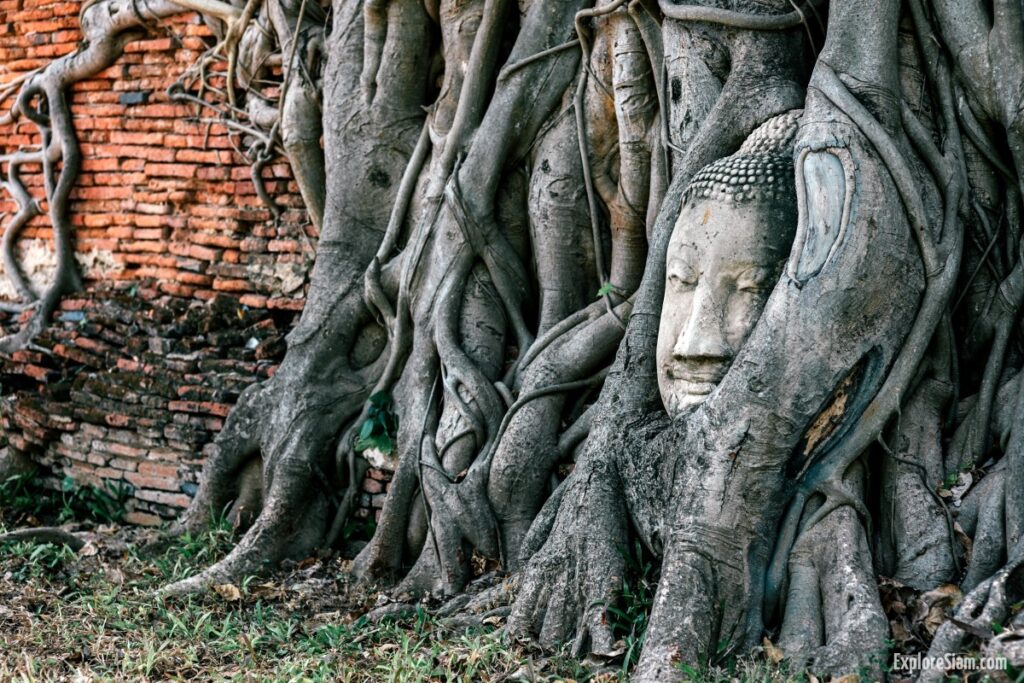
(984, 610)
(268, 474)
(567, 586)
(833, 623)
(226, 472)
(288, 525)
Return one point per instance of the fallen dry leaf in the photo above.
(773, 653)
(933, 605)
(228, 591)
(965, 541)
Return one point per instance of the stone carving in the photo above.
(825, 199)
(727, 250)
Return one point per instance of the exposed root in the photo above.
(497, 168)
(54, 535)
(833, 623)
(567, 587)
(982, 610)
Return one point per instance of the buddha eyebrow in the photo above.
(751, 269)
(686, 259)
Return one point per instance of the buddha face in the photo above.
(724, 259)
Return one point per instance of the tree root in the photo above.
(833, 623)
(50, 534)
(982, 610)
(568, 585)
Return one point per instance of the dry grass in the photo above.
(94, 616)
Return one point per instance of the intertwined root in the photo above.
(535, 175)
(833, 622)
(982, 613)
(567, 587)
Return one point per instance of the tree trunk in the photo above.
(760, 298)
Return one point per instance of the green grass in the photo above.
(23, 500)
(628, 619)
(94, 616)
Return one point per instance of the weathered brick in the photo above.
(158, 470)
(373, 486)
(142, 518)
(151, 482)
(171, 212)
(178, 500)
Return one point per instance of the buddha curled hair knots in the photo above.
(762, 168)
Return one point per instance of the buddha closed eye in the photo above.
(725, 255)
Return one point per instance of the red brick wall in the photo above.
(162, 194)
(191, 286)
(131, 386)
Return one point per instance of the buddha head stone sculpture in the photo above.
(726, 253)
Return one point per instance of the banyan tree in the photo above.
(734, 281)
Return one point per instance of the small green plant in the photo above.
(628, 619)
(104, 505)
(37, 560)
(380, 426)
(691, 673)
(355, 528)
(21, 498)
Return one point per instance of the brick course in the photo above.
(190, 283)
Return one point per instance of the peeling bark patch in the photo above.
(830, 418)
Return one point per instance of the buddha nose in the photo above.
(703, 336)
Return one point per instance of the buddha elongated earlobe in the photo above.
(825, 189)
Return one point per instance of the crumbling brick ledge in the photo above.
(129, 385)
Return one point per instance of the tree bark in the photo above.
(502, 192)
